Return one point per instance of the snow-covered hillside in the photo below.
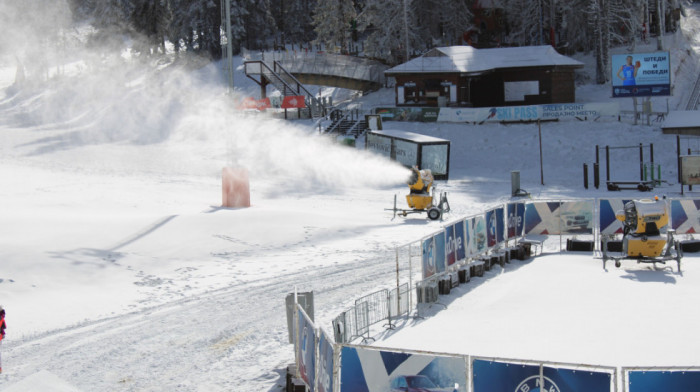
(119, 271)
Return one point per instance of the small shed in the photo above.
(682, 122)
(469, 77)
(412, 149)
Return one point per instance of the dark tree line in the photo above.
(382, 29)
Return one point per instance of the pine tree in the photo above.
(444, 21)
(331, 20)
(389, 25)
(259, 23)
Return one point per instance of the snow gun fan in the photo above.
(645, 237)
(421, 197)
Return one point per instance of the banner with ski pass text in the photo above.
(685, 216)
(373, 370)
(306, 349)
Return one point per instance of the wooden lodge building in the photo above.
(469, 77)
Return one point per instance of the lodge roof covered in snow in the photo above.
(469, 60)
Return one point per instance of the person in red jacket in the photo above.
(2, 330)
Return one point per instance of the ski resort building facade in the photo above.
(469, 77)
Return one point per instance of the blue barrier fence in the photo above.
(327, 366)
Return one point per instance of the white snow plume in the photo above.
(303, 163)
(101, 95)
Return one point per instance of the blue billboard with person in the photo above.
(641, 74)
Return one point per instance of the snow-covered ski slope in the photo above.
(119, 272)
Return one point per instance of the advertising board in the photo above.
(641, 74)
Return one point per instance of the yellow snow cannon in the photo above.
(645, 236)
(421, 196)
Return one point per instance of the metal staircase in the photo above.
(346, 122)
(285, 82)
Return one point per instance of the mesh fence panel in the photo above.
(377, 305)
(398, 300)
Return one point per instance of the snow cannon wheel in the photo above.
(617, 264)
(434, 213)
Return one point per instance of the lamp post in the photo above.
(229, 47)
(405, 26)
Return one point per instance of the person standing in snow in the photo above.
(2, 330)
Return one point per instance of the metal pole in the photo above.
(596, 175)
(690, 187)
(410, 279)
(641, 162)
(229, 48)
(405, 26)
(678, 160)
(607, 163)
(398, 290)
(539, 127)
(585, 175)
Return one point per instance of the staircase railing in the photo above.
(284, 84)
(312, 101)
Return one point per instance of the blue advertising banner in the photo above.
(607, 209)
(542, 218)
(428, 257)
(439, 241)
(641, 74)
(306, 349)
(478, 234)
(567, 380)
(368, 370)
(685, 216)
(491, 376)
(461, 241)
(325, 363)
(657, 380)
(515, 220)
(577, 217)
(450, 247)
(469, 231)
(494, 227)
(511, 377)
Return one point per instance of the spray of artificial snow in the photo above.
(100, 93)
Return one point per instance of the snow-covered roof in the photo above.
(682, 119)
(467, 59)
(416, 137)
